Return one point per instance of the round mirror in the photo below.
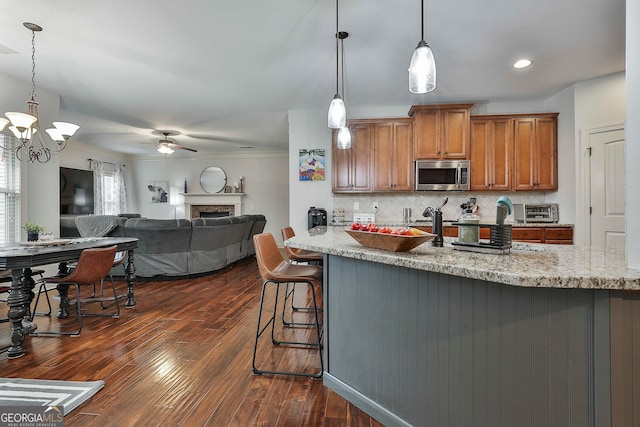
(213, 179)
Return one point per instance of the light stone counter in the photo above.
(528, 265)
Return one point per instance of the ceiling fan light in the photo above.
(344, 139)
(65, 128)
(21, 120)
(337, 116)
(422, 70)
(164, 149)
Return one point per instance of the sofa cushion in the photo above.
(97, 225)
(209, 240)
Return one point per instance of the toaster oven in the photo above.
(535, 212)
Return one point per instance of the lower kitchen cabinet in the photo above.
(548, 235)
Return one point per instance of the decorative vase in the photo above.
(32, 237)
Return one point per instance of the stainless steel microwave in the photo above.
(442, 175)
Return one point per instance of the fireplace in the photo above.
(218, 204)
(211, 211)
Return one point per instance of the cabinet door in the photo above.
(501, 153)
(491, 153)
(393, 149)
(480, 177)
(455, 133)
(383, 157)
(524, 152)
(427, 134)
(547, 155)
(403, 151)
(351, 168)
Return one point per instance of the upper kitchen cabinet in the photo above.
(393, 155)
(491, 153)
(441, 131)
(536, 152)
(352, 167)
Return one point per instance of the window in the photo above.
(110, 202)
(9, 189)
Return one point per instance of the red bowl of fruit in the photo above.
(390, 239)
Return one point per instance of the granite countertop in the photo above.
(528, 265)
(449, 222)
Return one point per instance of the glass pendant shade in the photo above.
(422, 70)
(21, 120)
(55, 134)
(65, 128)
(344, 138)
(23, 134)
(337, 117)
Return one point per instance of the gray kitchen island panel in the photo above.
(423, 348)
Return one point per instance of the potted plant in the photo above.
(33, 230)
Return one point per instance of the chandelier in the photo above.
(26, 127)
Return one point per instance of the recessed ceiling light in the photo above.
(522, 63)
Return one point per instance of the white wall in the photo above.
(598, 102)
(266, 184)
(633, 132)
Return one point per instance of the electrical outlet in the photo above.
(375, 207)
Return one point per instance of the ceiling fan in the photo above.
(166, 146)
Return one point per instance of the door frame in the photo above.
(583, 189)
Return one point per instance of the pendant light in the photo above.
(344, 134)
(337, 117)
(422, 70)
(26, 127)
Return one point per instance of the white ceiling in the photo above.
(225, 73)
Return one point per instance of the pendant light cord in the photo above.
(421, 20)
(33, 64)
(337, 45)
(342, 63)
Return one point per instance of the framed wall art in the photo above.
(159, 191)
(311, 164)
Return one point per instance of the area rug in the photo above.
(69, 394)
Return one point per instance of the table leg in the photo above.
(17, 301)
(130, 278)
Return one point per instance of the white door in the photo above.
(607, 189)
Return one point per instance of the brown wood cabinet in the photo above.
(548, 235)
(536, 153)
(351, 168)
(514, 152)
(393, 155)
(441, 131)
(491, 153)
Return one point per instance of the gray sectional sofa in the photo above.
(174, 248)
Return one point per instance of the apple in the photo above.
(356, 226)
(385, 230)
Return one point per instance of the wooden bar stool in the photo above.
(276, 271)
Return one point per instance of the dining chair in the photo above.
(276, 271)
(93, 266)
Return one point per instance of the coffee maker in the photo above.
(316, 217)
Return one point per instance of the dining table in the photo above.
(21, 257)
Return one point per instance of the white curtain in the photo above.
(98, 186)
(109, 191)
(119, 189)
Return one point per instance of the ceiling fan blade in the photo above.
(184, 148)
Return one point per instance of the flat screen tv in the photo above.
(76, 191)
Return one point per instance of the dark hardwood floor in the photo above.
(182, 357)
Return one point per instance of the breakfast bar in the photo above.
(544, 335)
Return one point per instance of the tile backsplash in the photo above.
(390, 205)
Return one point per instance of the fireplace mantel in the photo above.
(212, 199)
